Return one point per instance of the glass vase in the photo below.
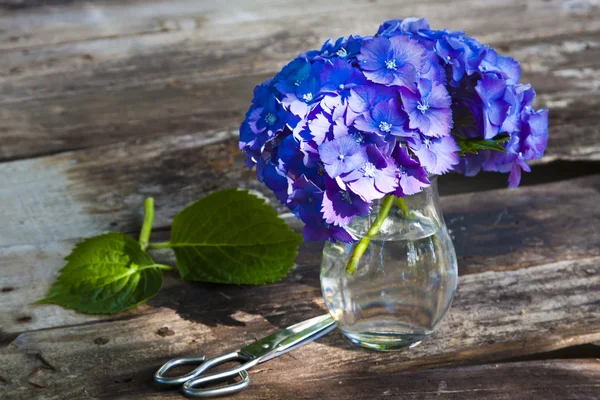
(396, 292)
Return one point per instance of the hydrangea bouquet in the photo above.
(369, 117)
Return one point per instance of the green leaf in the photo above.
(106, 274)
(470, 145)
(232, 236)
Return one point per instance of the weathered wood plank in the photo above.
(492, 231)
(82, 193)
(90, 20)
(495, 316)
(79, 94)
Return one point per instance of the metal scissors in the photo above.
(258, 352)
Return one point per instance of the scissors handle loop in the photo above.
(163, 380)
(190, 387)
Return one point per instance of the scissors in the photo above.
(258, 352)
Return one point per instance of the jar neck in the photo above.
(427, 202)
(416, 212)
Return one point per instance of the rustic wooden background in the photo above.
(103, 103)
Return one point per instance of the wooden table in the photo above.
(103, 103)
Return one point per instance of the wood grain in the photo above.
(188, 68)
(495, 316)
(104, 103)
(492, 231)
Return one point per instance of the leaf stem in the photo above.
(163, 267)
(147, 225)
(160, 245)
(362, 245)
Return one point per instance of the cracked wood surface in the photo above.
(103, 103)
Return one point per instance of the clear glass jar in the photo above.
(404, 281)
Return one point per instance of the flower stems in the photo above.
(147, 225)
(362, 245)
(159, 245)
(402, 206)
(147, 229)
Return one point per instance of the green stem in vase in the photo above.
(402, 206)
(363, 243)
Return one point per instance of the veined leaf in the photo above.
(474, 145)
(106, 274)
(232, 236)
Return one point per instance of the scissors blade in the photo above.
(289, 338)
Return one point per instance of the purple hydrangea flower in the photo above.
(305, 199)
(339, 77)
(491, 90)
(428, 108)
(320, 230)
(342, 155)
(436, 155)
(342, 48)
(471, 164)
(386, 118)
(413, 178)
(374, 178)
(508, 68)
(392, 61)
(341, 206)
(363, 98)
(366, 117)
(270, 175)
(400, 26)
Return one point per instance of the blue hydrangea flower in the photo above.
(339, 78)
(428, 108)
(412, 176)
(385, 118)
(392, 61)
(342, 155)
(507, 68)
(400, 26)
(342, 48)
(320, 230)
(363, 98)
(366, 117)
(270, 175)
(341, 206)
(305, 199)
(377, 176)
(491, 90)
(436, 155)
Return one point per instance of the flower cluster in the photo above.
(363, 117)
